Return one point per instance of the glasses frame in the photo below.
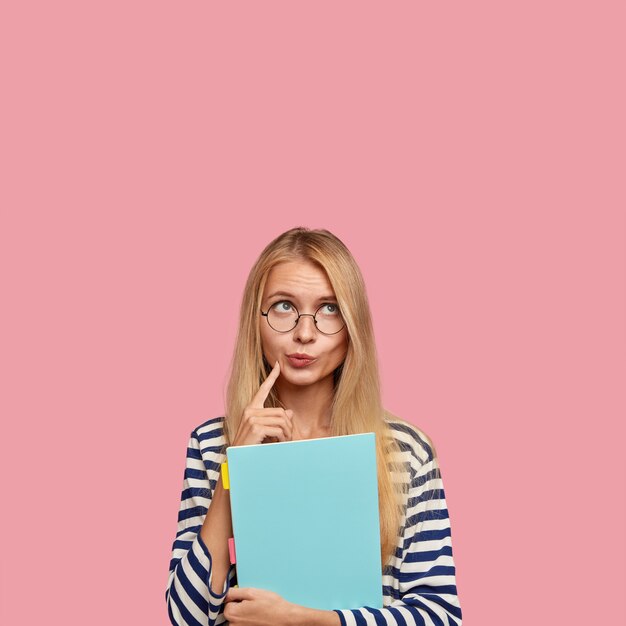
(266, 316)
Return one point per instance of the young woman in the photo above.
(305, 366)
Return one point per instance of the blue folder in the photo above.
(306, 522)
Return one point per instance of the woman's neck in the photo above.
(310, 405)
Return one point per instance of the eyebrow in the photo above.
(290, 295)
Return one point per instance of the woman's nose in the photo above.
(305, 328)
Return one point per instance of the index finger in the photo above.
(264, 389)
(238, 593)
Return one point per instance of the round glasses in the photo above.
(283, 316)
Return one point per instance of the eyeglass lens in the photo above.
(283, 316)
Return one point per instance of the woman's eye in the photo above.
(331, 309)
(282, 307)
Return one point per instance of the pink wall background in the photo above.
(471, 155)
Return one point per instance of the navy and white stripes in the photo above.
(419, 586)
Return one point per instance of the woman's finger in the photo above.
(239, 593)
(264, 390)
(258, 429)
(274, 421)
(273, 431)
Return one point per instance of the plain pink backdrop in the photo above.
(471, 155)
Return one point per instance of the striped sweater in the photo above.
(419, 586)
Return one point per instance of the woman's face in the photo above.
(306, 287)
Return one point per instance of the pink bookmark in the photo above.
(231, 549)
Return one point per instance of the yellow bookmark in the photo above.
(225, 481)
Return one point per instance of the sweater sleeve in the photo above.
(190, 599)
(427, 585)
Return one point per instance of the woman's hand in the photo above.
(248, 606)
(259, 423)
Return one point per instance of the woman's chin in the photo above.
(303, 377)
(300, 378)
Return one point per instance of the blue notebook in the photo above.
(305, 520)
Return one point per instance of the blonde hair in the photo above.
(356, 406)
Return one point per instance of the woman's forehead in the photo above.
(298, 279)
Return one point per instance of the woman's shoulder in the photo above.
(210, 432)
(411, 440)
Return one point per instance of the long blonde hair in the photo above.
(356, 406)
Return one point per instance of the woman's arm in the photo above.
(427, 587)
(200, 570)
(216, 529)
